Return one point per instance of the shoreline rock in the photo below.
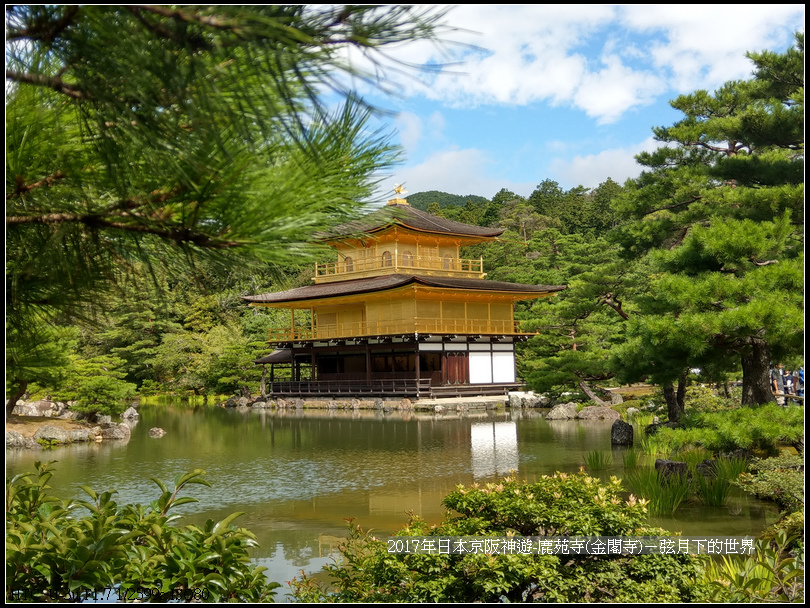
(54, 426)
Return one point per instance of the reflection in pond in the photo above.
(494, 448)
(297, 474)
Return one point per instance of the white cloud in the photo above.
(602, 59)
(607, 94)
(704, 48)
(457, 172)
(591, 170)
(409, 126)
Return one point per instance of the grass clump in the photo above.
(665, 492)
(630, 459)
(598, 460)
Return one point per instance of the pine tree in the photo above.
(721, 209)
(577, 328)
(167, 136)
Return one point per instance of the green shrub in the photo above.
(791, 525)
(51, 553)
(96, 385)
(769, 575)
(704, 399)
(557, 505)
(759, 428)
(780, 479)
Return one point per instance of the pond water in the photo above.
(298, 474)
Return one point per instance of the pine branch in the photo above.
(48, 31)
(51, 82)
(160, 31)
(179, 15)
(21, 188)
(613, 303)
(178, 235)
(674, 205)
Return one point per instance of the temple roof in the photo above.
(277, 356)
(392, 281)
(409, 217)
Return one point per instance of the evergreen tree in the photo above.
(577, 328)
(167, 136)
(720, 208)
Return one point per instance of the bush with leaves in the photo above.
(96, 385)
(561, 505)
(751, 428)
(780, 479)
(52, 554)
(771, 574)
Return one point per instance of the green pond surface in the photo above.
(299, 474)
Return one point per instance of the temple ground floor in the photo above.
(411, 365)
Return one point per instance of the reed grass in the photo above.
(630, 459)
(712, 490)
(730, 468)
(665, 493)
(692, 457)
(598, 461)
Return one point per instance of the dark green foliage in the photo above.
(557, 505)
(51, 551)
(780, 479)
(154, 139)
(96, 385)
(761, 428)
(719, 213)
(422, 200)
(579, 327)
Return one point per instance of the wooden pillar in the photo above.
(417, 369)
(368, 364)
(444, 366)
(263, 386)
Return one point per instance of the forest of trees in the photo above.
(126, 260)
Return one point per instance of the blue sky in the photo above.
(562, 92)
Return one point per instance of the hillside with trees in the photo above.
(423, 200)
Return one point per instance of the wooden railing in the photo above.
(381, 328)
(400, 263)
(334, 388)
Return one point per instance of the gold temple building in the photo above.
(399, 313)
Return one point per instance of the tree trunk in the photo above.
(682, 391)
(756, 386)
(673, 411)
(12, 400)
(587, 390)
(675, 398)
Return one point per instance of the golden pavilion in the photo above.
(399, 313)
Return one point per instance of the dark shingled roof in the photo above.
(407, 216)
(392, 281)
(277, 356)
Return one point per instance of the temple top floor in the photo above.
(399, 239)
